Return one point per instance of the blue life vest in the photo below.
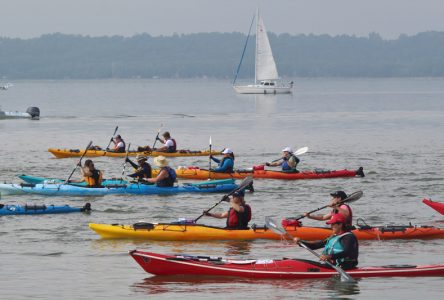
(333, 246)
(286, 166)
(169, 181)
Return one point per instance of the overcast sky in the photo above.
(390, 18)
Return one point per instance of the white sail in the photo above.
(265, 65)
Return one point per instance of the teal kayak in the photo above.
(60, 189)
(36, 180)
(6, 209)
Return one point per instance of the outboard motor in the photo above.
(34, 112)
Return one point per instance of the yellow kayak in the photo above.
(64, 153)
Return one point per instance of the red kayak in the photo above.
(439, 207)
(160, 264)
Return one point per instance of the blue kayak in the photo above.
(6, 209)
(217, 186)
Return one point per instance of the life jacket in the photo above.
(350, 213)
(230, 168)
(145, 166)
(95, 180)
(286, 166)
(169, 181)
(333, 246)
(121, 148)
(238, 220)
(172, 148)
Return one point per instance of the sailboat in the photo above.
(266, 74)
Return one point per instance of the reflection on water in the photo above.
(266, 104)
(233, 285)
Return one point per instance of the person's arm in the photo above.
(223, 215)
(134, 165)
(215, 159)
(274, 164)
(318, 217)
(312, 244)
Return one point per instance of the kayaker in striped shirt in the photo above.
(337, 207)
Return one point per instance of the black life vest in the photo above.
(169, 181)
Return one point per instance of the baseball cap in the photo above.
(287, 149)
(227, 151)
(339, 194)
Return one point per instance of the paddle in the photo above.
(297, 152)
(157, 136)
(79, 163)
(273, 226)
(244, 184)
(115, 131)
(209, 158)
(124, 164)
(352, 198)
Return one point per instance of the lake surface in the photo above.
(394, 128)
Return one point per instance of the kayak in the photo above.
(64, 153)
(199, 232)
(197, 173)
(160, 264)
(439, 207)
(41, 209)
(123, 189)
(35, 180)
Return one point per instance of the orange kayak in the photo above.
(203, 174)
(198, 232)
(64, 153)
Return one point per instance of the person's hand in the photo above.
(79, 164)
(226, 199)
(127, 159)
(211, 156)
(307, 215)
(267, 164)
(324, 257)
(297, 240)
(111, 140)
(206, 213)
(158, 138)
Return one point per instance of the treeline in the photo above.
(60, 56)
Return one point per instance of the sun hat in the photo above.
(227, 151)
(339, 194)
(287, 149)
(140, 157)
(337, 218)
(160, 161)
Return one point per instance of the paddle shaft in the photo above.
(115, 131)
(247, 181)
(297, 152)
(80, 161)
(353, 197)
(157, 136)
(209, 159)
(126, 157)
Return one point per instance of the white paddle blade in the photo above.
(301, 151)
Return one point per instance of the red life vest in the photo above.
(350, 218)
(239, 220)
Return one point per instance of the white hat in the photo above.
(287, 149)
(227, 151)
(160, 161)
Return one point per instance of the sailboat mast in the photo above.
(255, 52)
(243, 51)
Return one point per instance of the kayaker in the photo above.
(341, 248)
(91, 175)
(288, 162)
(337, 207)
(143, 169)
(119, 144)
(239, 213)
(169, 143)
(166, 177)
(226, 164)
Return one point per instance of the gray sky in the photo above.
(390, 18)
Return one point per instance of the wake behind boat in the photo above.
(266, 79)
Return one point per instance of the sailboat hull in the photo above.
(261, 89)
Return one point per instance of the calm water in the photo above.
(394, 128)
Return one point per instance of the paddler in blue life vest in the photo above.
(337, 207)
(341, 248)
(143, 169)
(239, 213)
(226, 164)
(288, 162)
(166, 177)
(170, 145)
(91, 175)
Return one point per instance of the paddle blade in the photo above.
(353, 197)
(244, 184)
(270, 223)
(301, 151)
(210, 141)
